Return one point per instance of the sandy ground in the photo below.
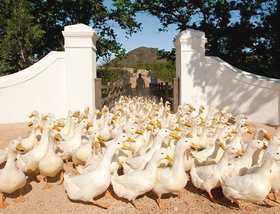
(55, 200)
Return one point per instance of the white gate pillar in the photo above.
(80, 65)
(190, 56)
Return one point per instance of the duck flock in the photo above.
(139, 146)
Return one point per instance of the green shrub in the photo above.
(165, 71)
(110, 74)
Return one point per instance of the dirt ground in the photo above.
(55, 200)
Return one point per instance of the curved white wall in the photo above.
(255, 96)
(58, 82)
(39, 87)
(211, 81)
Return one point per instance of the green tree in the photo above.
(44, 20)
(243, 33)
(18, 36)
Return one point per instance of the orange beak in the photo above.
(267, 136)
(169, 158)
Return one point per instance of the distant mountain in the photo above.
(138, 55)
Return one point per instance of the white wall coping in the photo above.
(246, 77)
(32, 71)
(78, 27)
(190, 33)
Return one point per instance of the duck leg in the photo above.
(20, 198)
(212, 198)
(276, 198)
(181, 192)
(47, 185)
(272, 196)
(67, 163)
(108, 194)
(76, 170)
(39, 178)
(269, 203)
(3, 204)
(162, 205)
(103, 205)
(138, 207)
(250, 208)
(61, 177)
(247, 207)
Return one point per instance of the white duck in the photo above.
(87, 186)
(51, 163)
(29, 142)
(208, 177)
(82, 153)
(106, 129)
(213, 153)
(117, 159)
(29, 161)
(11, 177)
(67, 124)
(141, 161)
(203, 141)
(69, 146)
(94, 157)
(174, 179)
(138, 182)
(237, 139)
(239, 166)
(251, 188)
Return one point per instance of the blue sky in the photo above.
(149, 36)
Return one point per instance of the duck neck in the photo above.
(107, 158)
(215, 152)
(51, 149)
(223, 162)
(249, 151)
(45, 135)
(157, 143)
(11, 158)
(152, 165)
(194, 130)
(178, 165)
(266, 165)
(237, 136)
(217, 133)
(78, 131)
(204, 132)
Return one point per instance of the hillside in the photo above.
(138, 55)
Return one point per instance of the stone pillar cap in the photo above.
(79, 30)
(190, 33)
(78, 27)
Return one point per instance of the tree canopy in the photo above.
(243, 33)
(29, 29)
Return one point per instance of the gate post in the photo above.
(80, 65)
(98, 93)
(175, 94)
(190, 57)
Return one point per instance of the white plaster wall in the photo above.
(39, 87)
(211, 81)
(255, 96)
